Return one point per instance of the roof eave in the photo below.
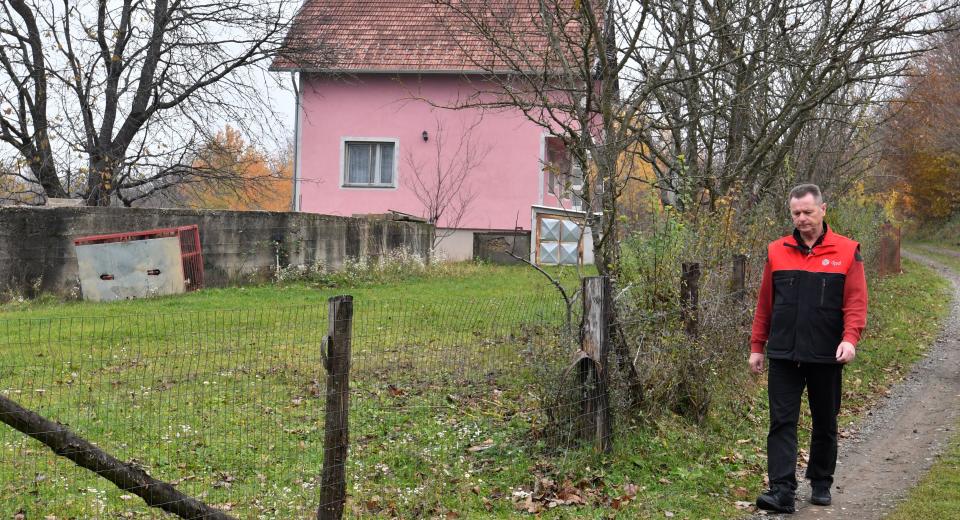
(321, 70)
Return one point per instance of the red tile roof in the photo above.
(406, 36)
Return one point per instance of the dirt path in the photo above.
(940, 250)
(898, 442)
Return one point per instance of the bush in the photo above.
(860, 221)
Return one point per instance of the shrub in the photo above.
(395, 265)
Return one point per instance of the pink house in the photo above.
(375, 134)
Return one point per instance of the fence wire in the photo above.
(223, 404)
(229, 405)
(454, 402)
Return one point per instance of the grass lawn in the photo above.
(449, 374)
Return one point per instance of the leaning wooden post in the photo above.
(738, 280)
(889, 255)
(689, 296)
(336, 440)
(595, 344)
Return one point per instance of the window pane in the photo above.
(386, 163)
(557, 165)
(359, 165)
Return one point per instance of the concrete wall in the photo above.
(455, 246)
(37, 252)
(493, 246)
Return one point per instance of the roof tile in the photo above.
(407, 35)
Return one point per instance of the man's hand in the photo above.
(756, 362)
(846, 352)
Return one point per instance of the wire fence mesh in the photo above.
(453, 404)
(229, 405)
(221, 403)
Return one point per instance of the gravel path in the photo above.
(899, 440)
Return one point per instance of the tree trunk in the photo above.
(100, 184)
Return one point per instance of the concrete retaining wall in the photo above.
(37, 253)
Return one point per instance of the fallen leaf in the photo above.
(372, 505)
(485, 445)
(487, 504)
(569, 495)
(452, 514)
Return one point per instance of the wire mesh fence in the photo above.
(229, 405)
(223, 404)
(437, 406)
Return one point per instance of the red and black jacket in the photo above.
(810, 299)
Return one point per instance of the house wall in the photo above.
(505, 185)
(36, 244)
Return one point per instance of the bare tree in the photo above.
(24, 123)
(760, 80)
(444, 183)
(558, 62)
(122, 92)
(713, 95)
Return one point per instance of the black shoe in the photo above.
(776, 501)
(821, 496)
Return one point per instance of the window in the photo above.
(369, 164)
(564, 177)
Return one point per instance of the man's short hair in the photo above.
(806, 189)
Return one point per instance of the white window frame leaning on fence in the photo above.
(377, 173)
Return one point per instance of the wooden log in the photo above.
(128, 477)
(597, 426)
(336, 441)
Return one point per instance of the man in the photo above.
(811, 310)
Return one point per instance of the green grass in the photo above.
(938, 494)
(229, 403)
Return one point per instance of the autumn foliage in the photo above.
(922, 137)
(259, 182)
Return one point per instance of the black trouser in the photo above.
(785, 383)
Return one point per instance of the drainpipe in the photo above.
(295, 203)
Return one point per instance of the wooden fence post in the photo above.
(689, 296)
(738, 281)
(595, 344)
(336, 440)
(889, 254)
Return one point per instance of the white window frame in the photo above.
(343, 163)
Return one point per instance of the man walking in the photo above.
(811, 310)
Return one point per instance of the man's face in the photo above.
(807, 214)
